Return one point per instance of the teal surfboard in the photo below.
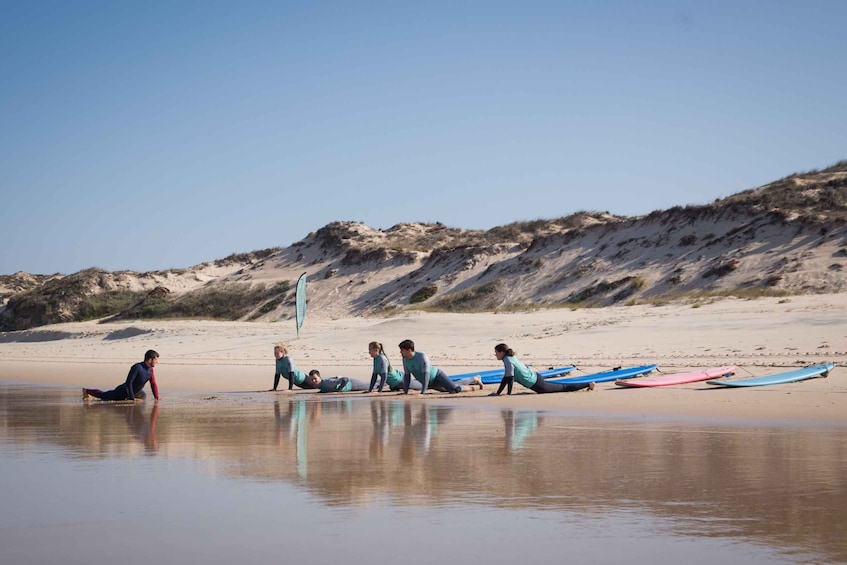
(780, 378)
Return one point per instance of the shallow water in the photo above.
(356, 479)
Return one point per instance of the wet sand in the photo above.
(334, 478)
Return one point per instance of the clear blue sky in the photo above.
(161, 134)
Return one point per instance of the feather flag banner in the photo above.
(300, 302)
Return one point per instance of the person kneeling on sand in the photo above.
(416, 363)
(132, 388)
(517, 371)
(335, 384)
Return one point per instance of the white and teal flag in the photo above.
(300, 302)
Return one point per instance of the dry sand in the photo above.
(761, 336)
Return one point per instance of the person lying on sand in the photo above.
(416, 363)
(517, 371)
(385, 372)
(335, 384)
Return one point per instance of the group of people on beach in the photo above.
(417, 366)
(418, 374)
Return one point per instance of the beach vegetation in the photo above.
(229, 301)
(705, 296)
(106, 304)
(246, 258)
(423, 294)
(484, 297)
(596, 295)
(722, 268)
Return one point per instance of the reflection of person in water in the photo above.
(296, 418)
(335, 384)
(519, 426)
(385, 372)
(133, 388)
(419, 434)
(517, 371)
(143, 429)
(385, 415)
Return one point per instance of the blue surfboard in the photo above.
(483, 374)
(607, 376)
(779, 378)
(494, 376)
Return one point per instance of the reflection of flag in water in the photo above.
(298, 412)
(300, 302)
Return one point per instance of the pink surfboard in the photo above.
(679, 378)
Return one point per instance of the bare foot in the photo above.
(591, 386)
(477, 380)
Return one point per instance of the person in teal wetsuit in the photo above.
(383, 370)
(416, 364)
(335, 384)
(517, 371)
(286, 369)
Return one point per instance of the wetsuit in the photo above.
(517, 371)
(286, 369)
(139, 375)
(342, 384)
(428, 375)
(388, 375)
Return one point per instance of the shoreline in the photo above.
(761, 336)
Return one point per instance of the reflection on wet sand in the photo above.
(519, 426)
(785, 487)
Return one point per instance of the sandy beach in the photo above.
(762, 336)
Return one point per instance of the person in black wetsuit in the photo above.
(139, 375)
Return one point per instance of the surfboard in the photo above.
(679, 378)
(550, 373)
(606, 376)
(811, 372)
(483, 374)
(494, 376)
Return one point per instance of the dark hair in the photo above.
(503, 348)
(314, 372)
(150, 355)
(407, 344)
